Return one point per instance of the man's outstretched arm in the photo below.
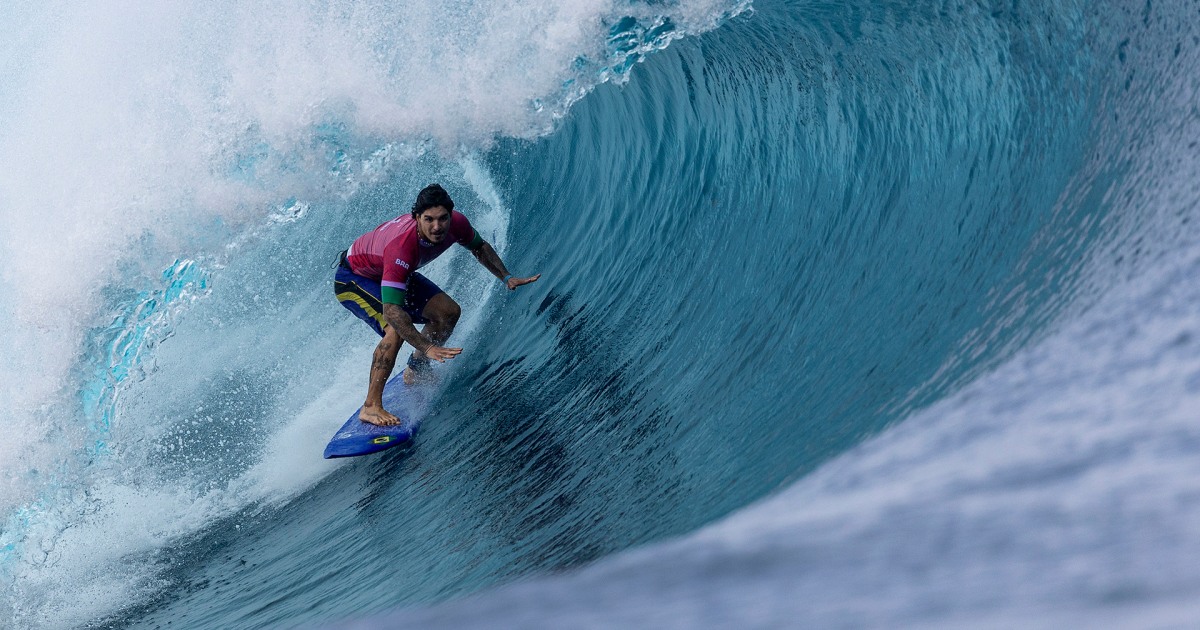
(488, 257)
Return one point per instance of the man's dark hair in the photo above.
(432, 196)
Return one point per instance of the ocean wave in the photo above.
(767, 237)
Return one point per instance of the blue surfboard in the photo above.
(407, 402)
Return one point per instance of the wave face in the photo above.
(766, 236)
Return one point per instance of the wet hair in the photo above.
(431, 196)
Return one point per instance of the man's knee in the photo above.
(453, 312)
(444, 310)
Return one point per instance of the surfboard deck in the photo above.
(407, 402)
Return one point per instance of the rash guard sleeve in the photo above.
(464, 233)
(400, 257)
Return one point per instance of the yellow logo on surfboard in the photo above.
(383, 439)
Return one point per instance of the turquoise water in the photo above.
(834, 294)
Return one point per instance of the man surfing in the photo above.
(377, 280)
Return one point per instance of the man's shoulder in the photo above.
(403, 222)
(398, 228)
(461, 228)
(398, 234)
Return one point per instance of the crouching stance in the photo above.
(377, 280)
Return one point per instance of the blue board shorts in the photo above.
(361, 296)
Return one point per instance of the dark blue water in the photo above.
(767, 237)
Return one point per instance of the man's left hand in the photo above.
(516, 282)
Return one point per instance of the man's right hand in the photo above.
(440, 354)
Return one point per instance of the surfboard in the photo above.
(407, 402)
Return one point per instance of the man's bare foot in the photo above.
(378, 417)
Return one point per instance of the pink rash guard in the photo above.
(392, 251)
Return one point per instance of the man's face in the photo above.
(433, 224)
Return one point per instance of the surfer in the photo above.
(377, 280)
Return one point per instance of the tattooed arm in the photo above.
(400, 322)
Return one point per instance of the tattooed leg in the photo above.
(381, 368)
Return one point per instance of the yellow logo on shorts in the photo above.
(383, 439)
